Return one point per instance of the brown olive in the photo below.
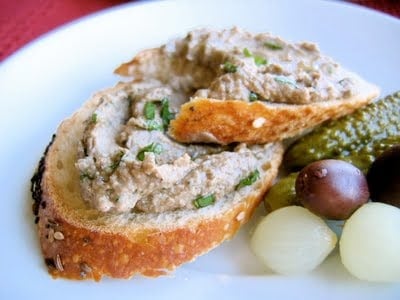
(331, 188)
(384, 177)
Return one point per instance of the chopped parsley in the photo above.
(285, 80)
(249, 180)
(153, 147)
(166, 114)
(273, 46)
(253, 97)
(150, 110)
(230, 67)
(203, 201)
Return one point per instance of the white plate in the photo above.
(50, 78)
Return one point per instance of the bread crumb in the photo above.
(124, 258)
(240, 216)
(58, 235)
(75, 258)
(257, 123)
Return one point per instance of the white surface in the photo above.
(50, 78)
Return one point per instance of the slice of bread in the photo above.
(294, 91)
(80, 242)
(224, 122)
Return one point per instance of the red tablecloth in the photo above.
(24, 20)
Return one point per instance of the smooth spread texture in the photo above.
(237, 65)
(118, 175)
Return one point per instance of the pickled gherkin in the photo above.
(282, 194)
(357, 138)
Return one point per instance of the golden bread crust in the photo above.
(80, 243)
(88, 254)
(227, 121)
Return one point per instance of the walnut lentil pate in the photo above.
(126, 166)
(127, 162)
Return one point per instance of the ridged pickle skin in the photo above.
(357, 138)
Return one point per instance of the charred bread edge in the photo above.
(36, 183)
(81, 253)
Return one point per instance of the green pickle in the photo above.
(357, 138)
(282, 193)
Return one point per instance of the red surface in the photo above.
(391, 7)
(21, 21)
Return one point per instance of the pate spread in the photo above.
(126, 166)
(237, 65)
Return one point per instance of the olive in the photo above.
(384, 177)
(332, 188)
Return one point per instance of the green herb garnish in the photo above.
(253, 97)
(249, 180)
(154, 125)
(166, 115)
(230, 67)
(93, 118)
(203, 201)
(117, 161)
(259, 60)
(247, 52)
(285, 80)
(273, 46)
(86, 175)
(153, 147)
(150, 110)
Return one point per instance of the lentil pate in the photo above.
(234, 64)
(126, 166)
(128, 163)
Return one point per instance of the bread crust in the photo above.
(90, 254)
(76, 245)
(228, 121)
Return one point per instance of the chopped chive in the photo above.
(149, 110)
(203, 201)
(117, 161)
(86, 175)
(253, 97)
(285, 80)
(273, 46)
(93, 118)
(345, 81)
(166, 115)
(259, 60)
(249, 180)
(153, 125)
(247, 52)
(229, 67)
(153, 147)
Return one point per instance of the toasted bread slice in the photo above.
(224, 122)
(249, 88)
(80, 242)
